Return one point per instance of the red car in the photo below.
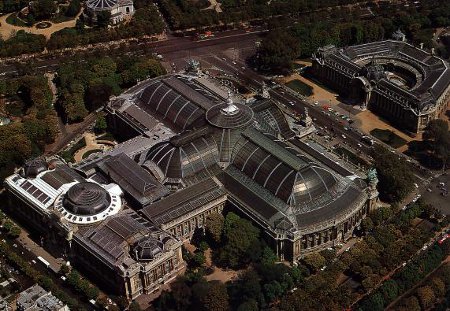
(441, 240)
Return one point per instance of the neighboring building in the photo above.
(192, 150)
(36, 298)
(4, 121)
(119, 9)
(4, 305)
(404, 84)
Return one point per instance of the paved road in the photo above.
(174, 45)
(435, 197)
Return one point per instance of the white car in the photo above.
(343, 136)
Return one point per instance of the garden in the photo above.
(388, 137)
(300, 87)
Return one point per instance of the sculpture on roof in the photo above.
(372, 175)
(265, 91)
(231, 108)
(306, 119)
(372, 178)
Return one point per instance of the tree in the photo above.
(367, 224)
(396, 179)
(2, 217)
(100, 124)
(389, 290)
(73, 8)
(375, 302)
(198, 259)
(134, 306)
(438, 135)
(214, 226)
(438, 286)
(240, 237)
(410, 304)
(14, 232)
(92, 292)
(314, 262)
(268, 257)
(426, 296)
(248, 286)
(277, 51)
(272, 290)
(248, 305)
(215, 297)
(181, 294)
(65, 269)
(43, 9)
(8, 225)
(103, 19)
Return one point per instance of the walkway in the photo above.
(30, 245)
(411, 290)
(7, 30)
(91, 144)
(214, 6)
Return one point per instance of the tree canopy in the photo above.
(395, 176)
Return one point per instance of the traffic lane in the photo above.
(352, 138)
(189, 44)
(436, 197)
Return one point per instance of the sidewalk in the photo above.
(29, 244)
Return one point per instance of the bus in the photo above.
(45, 262)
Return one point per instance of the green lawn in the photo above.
(14, 20)
(106, 136)
(300, 87)
(88, 153)
(388, 137)
(67, 155)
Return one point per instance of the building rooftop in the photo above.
(36, 298)
(133, 179)
(184, 201)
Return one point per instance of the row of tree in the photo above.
(9, 227)
(28, 102)
(22, 43)
(412, 274)
(145, 21)
(86, 84)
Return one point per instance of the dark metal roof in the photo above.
(175, 101)
(321, 157)
(276, 167)
(113, 238)
(35, 166)
(60, 175)
(260, 203)
(182, 157)
(101, 4)
(133, 179)
(183, 201)
(86, 198)
(271, 119)
(220, 117)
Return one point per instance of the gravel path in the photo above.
(7, 30)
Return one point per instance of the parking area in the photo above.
(436, 193)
